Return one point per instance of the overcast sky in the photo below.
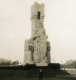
(59, 23)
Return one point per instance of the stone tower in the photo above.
(37, 48)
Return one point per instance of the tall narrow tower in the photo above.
(37, 48)
(37, 18)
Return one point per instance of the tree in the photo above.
(15, 62)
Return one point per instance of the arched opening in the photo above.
(38, 16)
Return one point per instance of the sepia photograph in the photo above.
(37, 39)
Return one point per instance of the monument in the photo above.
(37, 60)
(37, 48)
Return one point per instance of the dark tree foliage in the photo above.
(8, 62)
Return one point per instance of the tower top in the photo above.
(37, 18)
(36, 9)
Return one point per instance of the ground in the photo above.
(34, 74)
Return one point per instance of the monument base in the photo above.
(30, 71)
(50, 66)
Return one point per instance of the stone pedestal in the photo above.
(29, 72)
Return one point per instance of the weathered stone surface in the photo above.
(37, 48)
(28, 52)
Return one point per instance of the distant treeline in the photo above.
(69, 64)
(8, 62)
